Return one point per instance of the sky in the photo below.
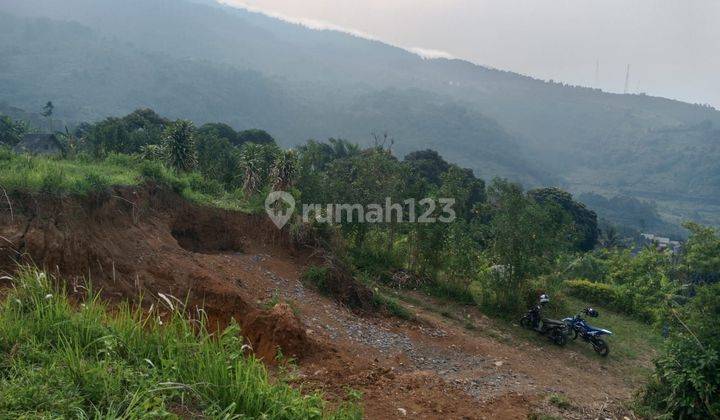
(671, 46)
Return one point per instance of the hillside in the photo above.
(211, 63)
(394, 316)
(446, 360)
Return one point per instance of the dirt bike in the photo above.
(579, 327)
(554, 329)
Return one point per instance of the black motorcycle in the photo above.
(554, 329)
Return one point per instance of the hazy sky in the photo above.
(672, 46)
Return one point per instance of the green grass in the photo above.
(62, 360)
(317, 276)
(559, 401)
(393, 306)
(82, 176)
(448, 290)
(51, 175)
(631, 339)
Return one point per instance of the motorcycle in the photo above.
(579, 327)
(555, 330)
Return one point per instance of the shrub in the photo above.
(205, 186)
(686, 381)
(375, 260)
(92, 181)
(560, 401)
(598, 293)
(629, 298)
(495, 293)
(392, 305)
(455, 290)
(156, 171)
(52, 182)
(317, 276)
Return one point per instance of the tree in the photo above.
(366, 178)
(314, 158)
(220, 130)
(255, 163)
(48, 112)
(129, 134)
(585, 226)
(461, 184)
(283, 171)
(11, 132)
(218, 159)
(702, 253)
(179, 144)
(610, 238)
(523, 239)
(253, 136)
(428, 164)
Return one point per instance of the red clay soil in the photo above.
(141, 241)
(147, 240)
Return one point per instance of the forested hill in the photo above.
(213, 63)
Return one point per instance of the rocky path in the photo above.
(412, 367)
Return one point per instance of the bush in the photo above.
(375, 261)
(598, 293)
(626, 298)
(686, 381)
(92, 181)
(205, 186)
(53, 182)
(455, 290)
(394, 307)
(496, 292)
(317, 277)
(156, 171)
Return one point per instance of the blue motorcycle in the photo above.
(579, 327)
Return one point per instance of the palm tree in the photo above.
(251, 165)
(283, 170)
(179, 145)
(47, 113)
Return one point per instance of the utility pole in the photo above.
(627, 79)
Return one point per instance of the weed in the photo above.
(558, 400)
(317, 277)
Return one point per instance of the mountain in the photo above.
(214, 63)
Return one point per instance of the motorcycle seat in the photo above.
(548, 321)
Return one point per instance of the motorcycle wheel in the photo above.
(601, 347)
(558, 337)
(574, 334)
(525, 322)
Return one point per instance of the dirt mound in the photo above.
(279, 327)
(133, 241)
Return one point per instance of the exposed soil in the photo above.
(148, 240)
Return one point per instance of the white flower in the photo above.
(48, 296)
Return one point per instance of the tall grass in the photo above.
(59, 360)
(59, 176)
(82, 175)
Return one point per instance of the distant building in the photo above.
(39, 144)
(662, 243)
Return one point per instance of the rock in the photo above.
(499, 363)
(402, 411)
